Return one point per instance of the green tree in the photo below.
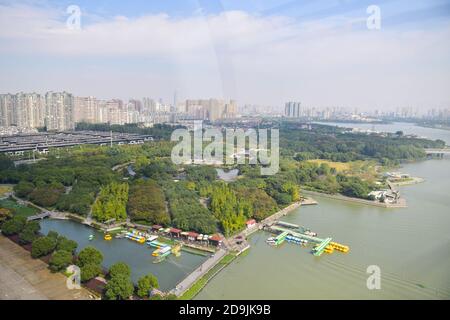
(5, 214)
(90, 255)
(146, 202)
(66, 245)
(23, 189)
(42, 246)
(53, 234)
(29, 232)
(111, 202)
(14, 226)
(119, 268)
(89, 271)
(60, 260)
(146, 284)
(119, 287)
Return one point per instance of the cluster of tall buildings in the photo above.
(292, 109)
(53, 110)
(211, 109)
(60, 111)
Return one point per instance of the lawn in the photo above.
(19, 210)
(339, 166)
(366, 170)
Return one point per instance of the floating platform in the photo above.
(321, 245)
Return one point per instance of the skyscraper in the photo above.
(86, 109)
(59, 111)
(292, 109)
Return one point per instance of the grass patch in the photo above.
(19, 210)
(339, 166)
(4, 189)
(201, 283)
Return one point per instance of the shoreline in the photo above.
(402, 204)
(412, 181)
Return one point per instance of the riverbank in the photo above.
(411, 181)
(198, 286)
(198, 274)
(400, 204)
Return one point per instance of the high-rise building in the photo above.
(59, 111)
(25, 110)
(86, 109)
(6, 109)
(292, 109)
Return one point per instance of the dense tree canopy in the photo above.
(111, 202)
(146, 203)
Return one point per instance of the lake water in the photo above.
(138, 256)
(411, 246)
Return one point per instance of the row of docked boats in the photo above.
(296, 240)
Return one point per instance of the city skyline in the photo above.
(265, 53)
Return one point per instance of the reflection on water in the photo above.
(138, 256)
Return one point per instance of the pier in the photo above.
(322, 245)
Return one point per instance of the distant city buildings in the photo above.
(211, 109)
(292, 110)
(32, 110)
(60, 111)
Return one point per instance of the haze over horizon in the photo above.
(258, 52)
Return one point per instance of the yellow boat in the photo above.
(108, 237)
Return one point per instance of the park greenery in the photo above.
(93, 179)
(90, 263)
(146, 284)
(111, 202)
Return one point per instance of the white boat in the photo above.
(151, 238)
(271, 241)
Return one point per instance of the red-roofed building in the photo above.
(251, 223)
(156, 227)
(175, 232)
(215, 240)
(192, 236)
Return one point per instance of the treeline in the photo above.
(69, 179)
(333, 143)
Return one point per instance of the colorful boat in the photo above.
(108, 237)
(162, 251)
(135, 236)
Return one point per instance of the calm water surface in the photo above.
(138, 256)
(410, 245)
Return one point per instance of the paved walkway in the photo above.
(199, 272)
(24, 278)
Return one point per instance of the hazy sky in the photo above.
(256, 51)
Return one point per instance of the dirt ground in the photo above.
(24, 278)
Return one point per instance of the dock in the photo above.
(321, 245)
